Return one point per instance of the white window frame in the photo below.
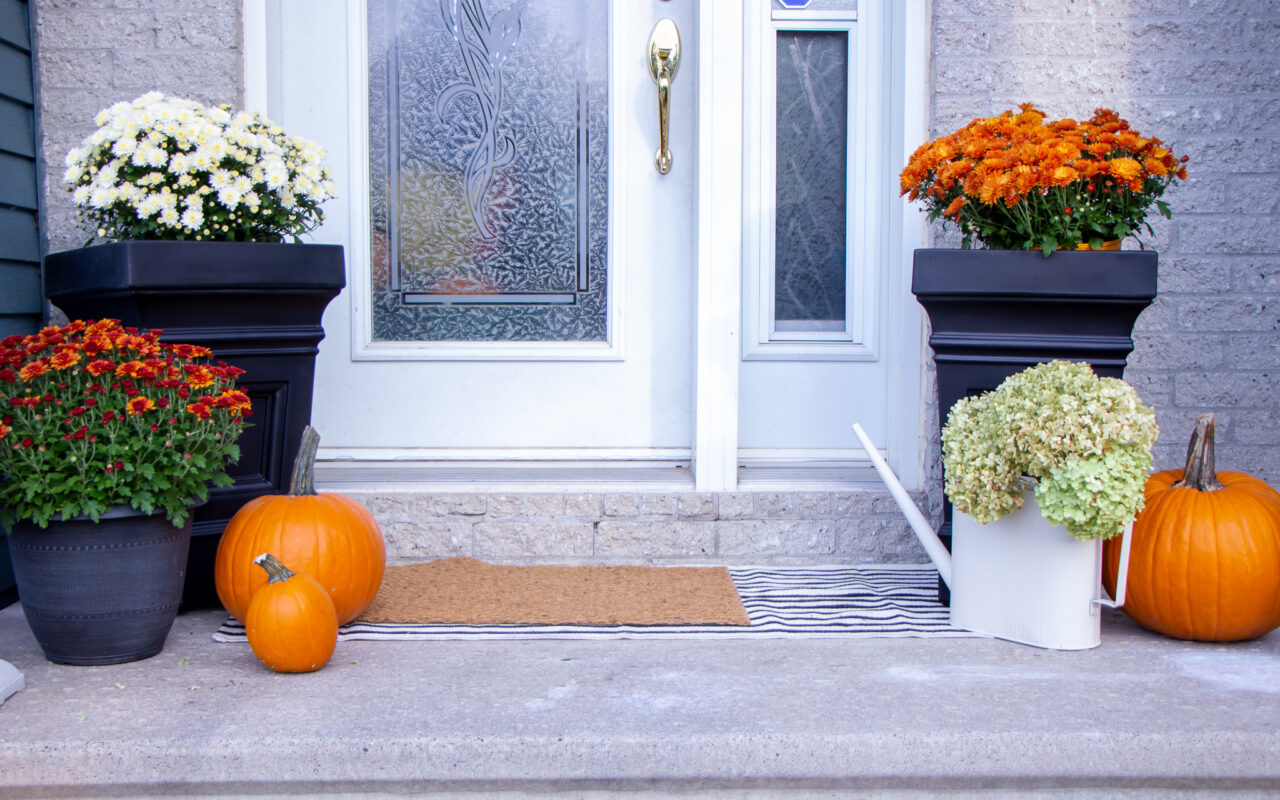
(858, 340)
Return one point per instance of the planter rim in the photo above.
(119, 511)
(1120, 274)
(125, 267)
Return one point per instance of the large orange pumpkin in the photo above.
(1204, 561)
(331, 537)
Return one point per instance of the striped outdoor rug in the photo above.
(796, 602)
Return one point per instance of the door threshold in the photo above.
(499, 476)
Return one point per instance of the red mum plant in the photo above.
(1017, 181)
(95, 415)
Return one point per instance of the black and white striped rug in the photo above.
(897, 600)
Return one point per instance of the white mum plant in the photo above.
(1085, 440)
(162, 167)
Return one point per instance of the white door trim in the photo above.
(720, 232)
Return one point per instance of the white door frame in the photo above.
(718, 305)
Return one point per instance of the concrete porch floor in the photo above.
(1140, 716)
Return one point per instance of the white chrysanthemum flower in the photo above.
(149, 205)
(169, 216)
(221, 178)
(229, 197)
(193, 217)
(124, 146)
(201, 160)
(81, 195)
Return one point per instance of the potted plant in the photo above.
(201, 210)
(108, 437)
(1034, 194)
(1040, 471)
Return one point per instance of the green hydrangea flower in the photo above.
(1085, 440)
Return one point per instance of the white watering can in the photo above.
(1018, 578)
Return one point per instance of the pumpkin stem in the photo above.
(1199, 473)
(303, 481)
(277, 572)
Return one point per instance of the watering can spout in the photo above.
(932, 544)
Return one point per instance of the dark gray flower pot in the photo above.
(257, 306)
(101, 592)
(996, 312)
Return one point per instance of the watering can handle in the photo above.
(1122, 574)
(923, 531)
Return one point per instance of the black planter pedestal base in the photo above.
(994, 313)
(257, 306)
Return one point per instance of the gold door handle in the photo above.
(664, 60)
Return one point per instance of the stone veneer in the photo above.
(646, 528)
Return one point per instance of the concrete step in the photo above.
(1140, 716)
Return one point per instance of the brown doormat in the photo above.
(470, 592)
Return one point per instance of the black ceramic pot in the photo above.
(994, 313)
(258, 306)
(101, 592)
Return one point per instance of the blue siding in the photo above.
(21, 303)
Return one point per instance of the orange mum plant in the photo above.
(94, 414)
(1018, 182)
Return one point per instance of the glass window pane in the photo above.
(488, 124)
(812, 154)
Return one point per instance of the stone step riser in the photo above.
(728, 528)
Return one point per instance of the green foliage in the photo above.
(1086, 440)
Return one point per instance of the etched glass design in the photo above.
(812, 154)
(488, 170)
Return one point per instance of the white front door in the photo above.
(528, 296)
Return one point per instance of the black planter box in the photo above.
(996, 312)
(258, 306)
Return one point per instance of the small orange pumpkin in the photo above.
(291, 623)
(331, 537)
(1204, 561)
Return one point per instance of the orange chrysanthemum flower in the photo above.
(64, 359)
(139, 405)
(33, 370)
(100, 366)
(1126, 169)
(198, 377)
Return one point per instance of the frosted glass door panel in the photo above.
(488, 170)
(812, 157)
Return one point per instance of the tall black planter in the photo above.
(258, 306)
(997, 312)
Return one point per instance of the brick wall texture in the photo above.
(1203, 75)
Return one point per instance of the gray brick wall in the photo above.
(656, 528)
(92, 53)
(1204, 75)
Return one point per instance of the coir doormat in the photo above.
(898, 600)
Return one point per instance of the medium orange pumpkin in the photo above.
(331, 537)
(1204, 561)
(291, 623)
